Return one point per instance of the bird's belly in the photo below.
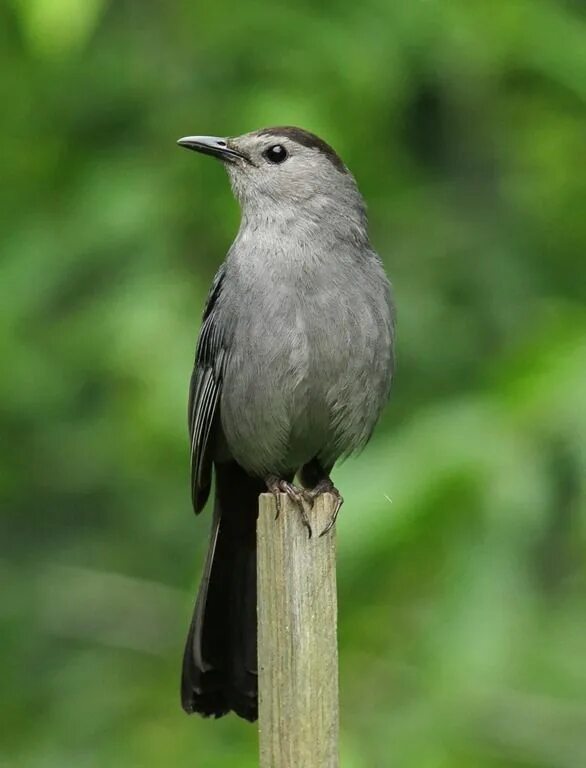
(303, 380)
(275, 410)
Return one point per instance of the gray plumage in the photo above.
(295, 355)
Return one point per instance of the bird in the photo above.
(293, 367)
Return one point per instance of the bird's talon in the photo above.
(332, 522)
(276, 487)
(305, 521)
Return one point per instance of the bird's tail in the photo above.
(219, 663)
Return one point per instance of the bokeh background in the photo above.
(462, 544)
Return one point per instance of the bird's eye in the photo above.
(276, 154)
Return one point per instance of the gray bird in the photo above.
(292, 368)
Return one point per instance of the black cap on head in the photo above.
(306, 139)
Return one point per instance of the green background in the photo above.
(462, 544)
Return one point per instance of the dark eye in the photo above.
(276, 154)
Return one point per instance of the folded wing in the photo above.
(204, 394)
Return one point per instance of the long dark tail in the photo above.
(219, 663)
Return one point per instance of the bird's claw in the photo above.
(297, 496)
(325, 486)
(339, 501)
(300, 495)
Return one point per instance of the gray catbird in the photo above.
(292, 368)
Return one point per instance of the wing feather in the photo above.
(204, 394)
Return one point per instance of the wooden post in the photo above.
(297, 637)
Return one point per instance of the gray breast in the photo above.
(309, 359)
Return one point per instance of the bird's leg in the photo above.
(277, 486)
(319, 481)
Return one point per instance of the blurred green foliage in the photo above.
(463, 539)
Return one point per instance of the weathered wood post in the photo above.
(297, 637)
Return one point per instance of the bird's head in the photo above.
(284, 169)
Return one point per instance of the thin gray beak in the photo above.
(211, 145)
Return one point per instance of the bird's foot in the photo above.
(325, 486)
(277, 486)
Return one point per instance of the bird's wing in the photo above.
(204, 394)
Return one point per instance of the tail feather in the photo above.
(219, 663)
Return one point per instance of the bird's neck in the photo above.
(321, 222)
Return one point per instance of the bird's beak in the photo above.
(211, 145)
